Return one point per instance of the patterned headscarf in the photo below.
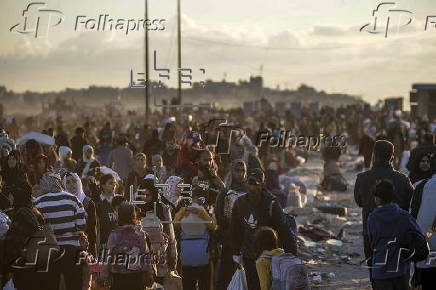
(170, 193)
(50, 183)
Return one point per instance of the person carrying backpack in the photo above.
(161, 235)
(275, 268)
(267, 245)
(195, 235)
(255, 209)
(128, 243)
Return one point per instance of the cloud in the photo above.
(330, 31)
(330, 57)
(284, 39)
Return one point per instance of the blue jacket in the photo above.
(391, 231)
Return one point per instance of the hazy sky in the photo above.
(294, 41)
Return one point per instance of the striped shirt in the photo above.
(66, 215)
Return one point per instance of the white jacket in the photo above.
(426, 217)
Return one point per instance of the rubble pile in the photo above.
(325, 233)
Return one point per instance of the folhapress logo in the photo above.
(37, 19)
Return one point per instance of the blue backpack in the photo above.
(194, 249)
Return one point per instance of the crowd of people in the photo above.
(187, 203)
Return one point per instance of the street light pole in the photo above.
(179, 53)
(147, 69)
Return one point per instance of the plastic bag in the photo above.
(9, 285)
(239, 281)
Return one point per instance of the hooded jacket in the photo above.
(391, 229)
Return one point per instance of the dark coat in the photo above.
(365, 184)
(106, 216)
(25, 222)
(247, 217)
(77, 143)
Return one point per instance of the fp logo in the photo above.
(219, 133)
(37, 19)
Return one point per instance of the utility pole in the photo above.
(147, 69)
(179, 52)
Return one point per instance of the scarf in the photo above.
(170, 193)
(80, 194)
(87, 160)
(50, 183)
(63, 152)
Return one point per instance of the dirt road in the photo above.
(343, 261)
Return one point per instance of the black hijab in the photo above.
(417, 174)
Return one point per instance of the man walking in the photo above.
(365, 182)
(120, 159)
(255, 209)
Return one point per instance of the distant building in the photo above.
(423, 100)
(393, 104)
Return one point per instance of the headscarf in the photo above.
(249, 147)
(85, 149)
(187, 153)
(140, 154)
(50, 183)
(152, 177)
(170, 192)
(87, 160)
(417, 174)
(63, 152)
(80, 194)
(230, 183)
(13, 175)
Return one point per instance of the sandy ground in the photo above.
(348, 273)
